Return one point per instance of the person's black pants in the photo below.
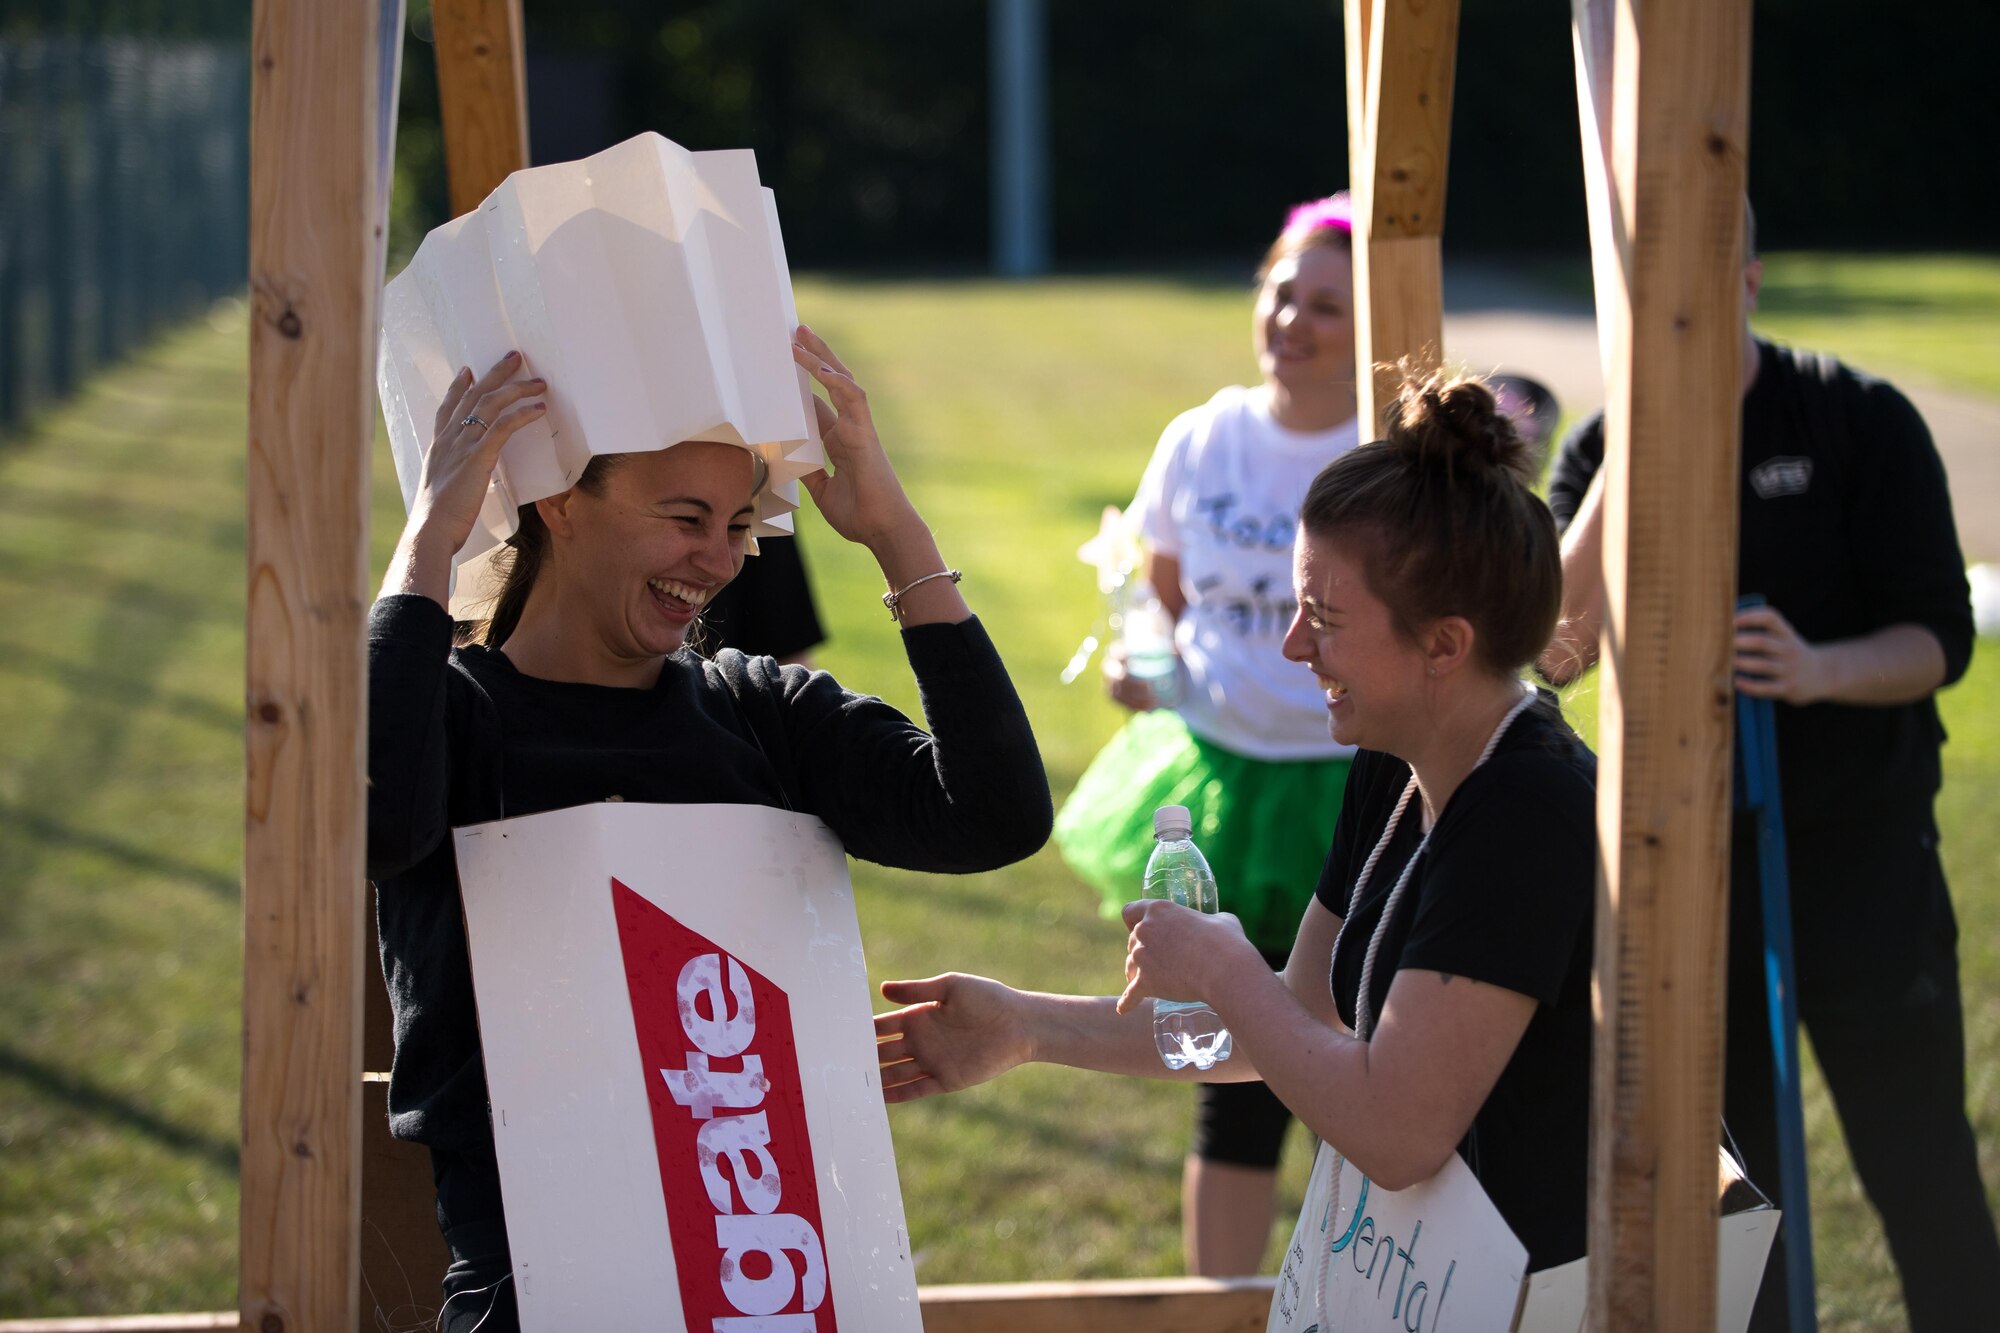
(479, 1285)
(1896, 1071)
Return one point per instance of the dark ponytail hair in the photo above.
(1443, 520)
(521, 562)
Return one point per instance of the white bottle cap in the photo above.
(1171, 822)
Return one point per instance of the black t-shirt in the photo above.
(458, 736)
(1845, 526)
(1504, 894)
(767, 610)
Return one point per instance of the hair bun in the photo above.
(1457, 421)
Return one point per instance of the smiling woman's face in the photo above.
(1372, 674)
(1304, 326)
(639, 560)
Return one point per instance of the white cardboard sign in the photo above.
(648, 285)
(1439, 1258)
(681, 1058)
(1434, 1258)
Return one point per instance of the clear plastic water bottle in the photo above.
(1147, 632)
(1186, 1032)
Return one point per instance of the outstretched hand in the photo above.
(861, 499)
(954, 1031)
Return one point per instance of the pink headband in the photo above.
(1336, 210)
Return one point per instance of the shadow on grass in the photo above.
(131, 511)
(116, 688)
(1060, 1131)
(1834, 302)
(90, 1101)
(132, 622)
(50, 833)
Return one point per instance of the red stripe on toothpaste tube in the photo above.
(729, 1119)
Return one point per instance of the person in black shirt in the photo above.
(1845, 529)
(1462, 876)
(766, 610)
(581, 689)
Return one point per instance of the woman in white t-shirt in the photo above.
(1244, 743)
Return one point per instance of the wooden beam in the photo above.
(1673, 199)
(482, 95)
(314, 278)
(1358, 16)
(1159, 1305)
(219, 1322)
(1398, 178)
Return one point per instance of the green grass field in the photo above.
(1931, 317)
(1015, 413)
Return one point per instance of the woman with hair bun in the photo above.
(1242, 745)
(1453, 914)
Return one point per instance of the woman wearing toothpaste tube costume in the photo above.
(580, 689)
(1453, 915)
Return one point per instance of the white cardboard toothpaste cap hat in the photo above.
(648, 285)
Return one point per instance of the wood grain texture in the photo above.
(482, 95)
(223, 1321)
(1159, 1305)
(1412, 54)
(1400, 61)
(1398, 318)
(1675, 200)
(313, 285)
(1358, 17)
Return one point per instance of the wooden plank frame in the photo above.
(481, 65)
(1667, 235)
(1668, 191)
(482, 95)
(1401, 57)
(314, 277)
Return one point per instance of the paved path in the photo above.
(1495, 322)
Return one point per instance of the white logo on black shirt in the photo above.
(1777, 477)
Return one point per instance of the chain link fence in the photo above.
(124, 198)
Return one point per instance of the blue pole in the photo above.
(1020, 148)
(1757, 746)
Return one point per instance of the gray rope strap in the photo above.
(1364, 1016)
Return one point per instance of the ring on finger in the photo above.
(474, 419)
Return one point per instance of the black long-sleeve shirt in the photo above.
(458, 736)
(1845, 526)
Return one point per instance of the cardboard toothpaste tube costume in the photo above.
(597, 374)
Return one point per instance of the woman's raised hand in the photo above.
(473, 422)
(861, 498)
(953, 1031)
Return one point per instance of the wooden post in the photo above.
(1671, 206)
(1400, 60)
(1158, 1305)
(314, 278)
(482, 95)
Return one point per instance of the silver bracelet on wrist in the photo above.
(894, 599)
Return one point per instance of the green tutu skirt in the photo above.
(1264, 825)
